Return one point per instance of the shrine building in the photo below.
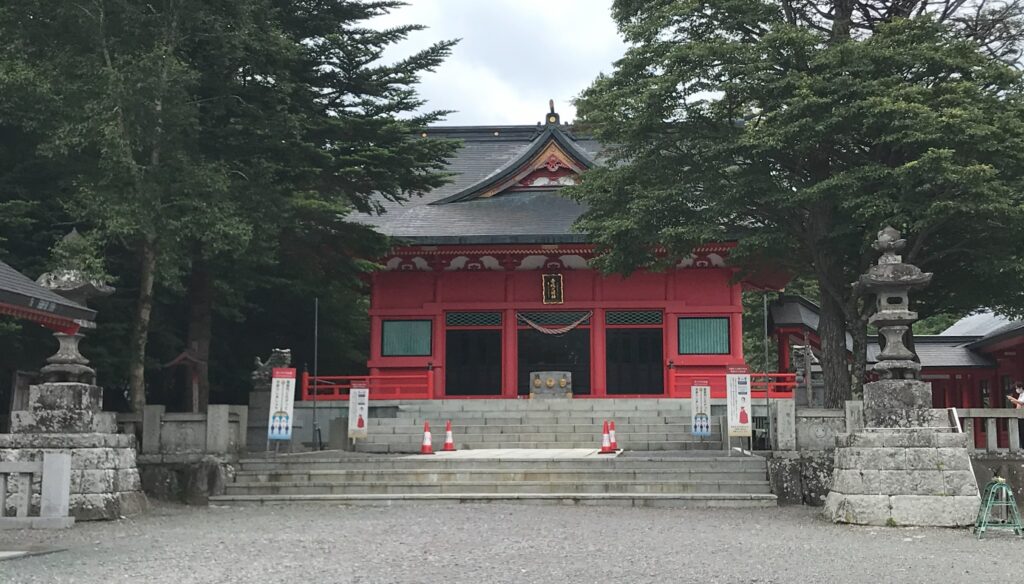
(489, 282)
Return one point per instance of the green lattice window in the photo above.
(704, 336)
(632, 317)
(549, 318)
(473, 319)
(405, 338)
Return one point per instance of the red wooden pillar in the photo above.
(671, 337)
(509, 337)
(509, 354)
(782, 339)
(598, 355)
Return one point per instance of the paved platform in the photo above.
(516, 454)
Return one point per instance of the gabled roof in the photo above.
(22, 298)
(482, 203)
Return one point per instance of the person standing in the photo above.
(1017, 399)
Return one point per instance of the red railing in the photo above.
(762, 385)
(336, 387)
(420, 385)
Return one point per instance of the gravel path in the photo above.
(485, 544)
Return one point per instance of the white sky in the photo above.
(513, 57)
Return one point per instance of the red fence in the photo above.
(336, 387)
(420, 385)
(762, 385)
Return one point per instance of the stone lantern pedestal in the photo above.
(910, 465)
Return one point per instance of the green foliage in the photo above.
(233, 135)
(800, 139)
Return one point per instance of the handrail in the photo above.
(382, 386)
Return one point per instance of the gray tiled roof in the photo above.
(941, 351)
(517, 217)
(977, 325)
(18, 290)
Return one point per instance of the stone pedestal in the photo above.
(67, 418)
(908, 467)
(903, 477)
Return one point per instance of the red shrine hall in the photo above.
(488, 283)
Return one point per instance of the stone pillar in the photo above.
(784, 425)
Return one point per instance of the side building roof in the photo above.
(943, 350)
(22, 298)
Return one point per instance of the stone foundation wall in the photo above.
(184, 479)
(801, 477)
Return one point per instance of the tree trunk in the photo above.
(859, 332)
(834, 358)
(842, 20)
(200, 329)
(140, 325)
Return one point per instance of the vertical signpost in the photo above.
(358, 410)
(700, 408)
(738, 413)
(282, 404)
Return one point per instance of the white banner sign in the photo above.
(700, 408)
(282, 404)
(738, 402)
(358, 411)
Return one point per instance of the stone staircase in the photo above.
(692, 480)
(641, 424)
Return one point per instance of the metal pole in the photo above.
(316, 370)
(767, 400)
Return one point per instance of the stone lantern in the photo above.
(910, 464)
(68, 364)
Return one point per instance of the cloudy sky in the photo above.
(513, 57)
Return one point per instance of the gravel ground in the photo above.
(484, 544)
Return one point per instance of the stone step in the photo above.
(354, 462)
(693, 500)
(589, 429)
(413, 447)
(561, 419)
(414, 487)
(492, 474)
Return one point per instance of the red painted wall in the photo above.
(677, 293)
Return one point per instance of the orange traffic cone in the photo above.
(449, 442)
(428, 446)
(611, 436)
(606, 443)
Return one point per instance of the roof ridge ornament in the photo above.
(552, 118)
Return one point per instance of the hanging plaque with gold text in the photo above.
(553, 293)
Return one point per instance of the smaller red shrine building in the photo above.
(972, 364)
(488, 282)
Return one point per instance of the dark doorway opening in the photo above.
(634, 361)
(472, 362)
(566, 352)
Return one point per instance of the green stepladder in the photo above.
(999, 498)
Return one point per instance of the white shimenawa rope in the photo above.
(554, 331)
